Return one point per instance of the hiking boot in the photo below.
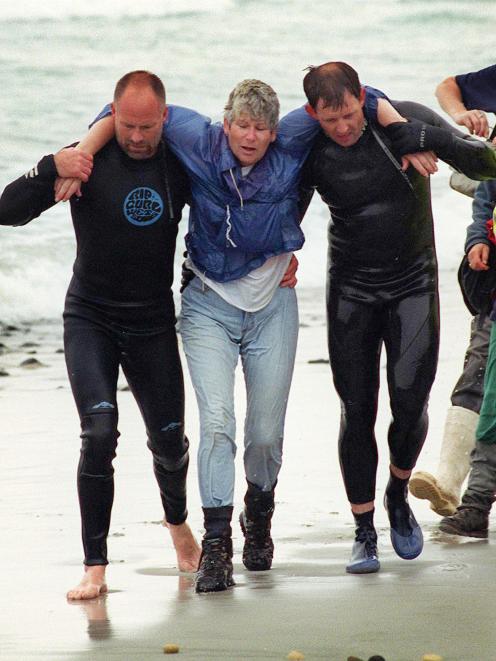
(364, 557)
(255, 521)
(215, 571)
(258, 548)
(467, 521)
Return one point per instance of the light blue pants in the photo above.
(214, 335)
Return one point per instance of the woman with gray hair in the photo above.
(224, 319)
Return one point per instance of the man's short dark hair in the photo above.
(140, 78)
(329, 82)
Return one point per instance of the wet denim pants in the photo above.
(215, 334)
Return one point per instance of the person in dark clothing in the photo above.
(119, 309)
(464, 97)
(382, 286)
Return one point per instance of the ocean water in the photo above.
(59, 62)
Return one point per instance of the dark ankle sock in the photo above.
(364, 520)
(396, 489)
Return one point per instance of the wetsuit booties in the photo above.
(406, 535)
(255, 522)
(215, 572)
(364, 557)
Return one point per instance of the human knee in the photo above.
(264, 430)
(357, 421)
(218, 433)
(264, 440)
(98, 443)
(169, 446)
(410, 412)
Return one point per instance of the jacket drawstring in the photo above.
(236, 187)
(229, 227)
(228, 218)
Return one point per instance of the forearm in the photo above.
(97, 137)
(427, 131)
(28, 196)
(387, 114)
(474, 158)
(449, 97)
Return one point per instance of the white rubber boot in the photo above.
(444, 490)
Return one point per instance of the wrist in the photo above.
(455, 112)
(47, 167)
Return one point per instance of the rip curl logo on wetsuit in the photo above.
(143, 206)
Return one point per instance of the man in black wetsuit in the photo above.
(382, 287)
(119, 309)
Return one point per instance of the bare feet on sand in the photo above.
(187, 550)
(92, 584)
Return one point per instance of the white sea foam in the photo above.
(61, 9)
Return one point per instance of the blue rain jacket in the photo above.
(236, 223)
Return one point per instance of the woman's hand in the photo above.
(72, 162)
(66, 187)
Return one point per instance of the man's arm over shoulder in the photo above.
(297, 130)
(428, 131)
(28, 196)
(182, 127)
(186, 131)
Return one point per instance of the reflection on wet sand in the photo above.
(95, 610)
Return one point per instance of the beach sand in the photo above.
(441, 602)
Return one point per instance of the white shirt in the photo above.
(253, 291)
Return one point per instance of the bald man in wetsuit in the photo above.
(119, 309)
(382, 287)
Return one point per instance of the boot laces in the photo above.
(368, 536)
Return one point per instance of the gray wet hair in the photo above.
(256, 99)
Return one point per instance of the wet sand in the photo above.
(442, 602)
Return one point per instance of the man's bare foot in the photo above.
(187, 550)
(92, 584)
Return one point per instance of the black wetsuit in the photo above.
(381, 289)
(119, 310)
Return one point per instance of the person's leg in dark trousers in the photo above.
(92, 359)
(355, 341)
(412, 344)
(152, 367)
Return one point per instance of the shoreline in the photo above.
(306, 602)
